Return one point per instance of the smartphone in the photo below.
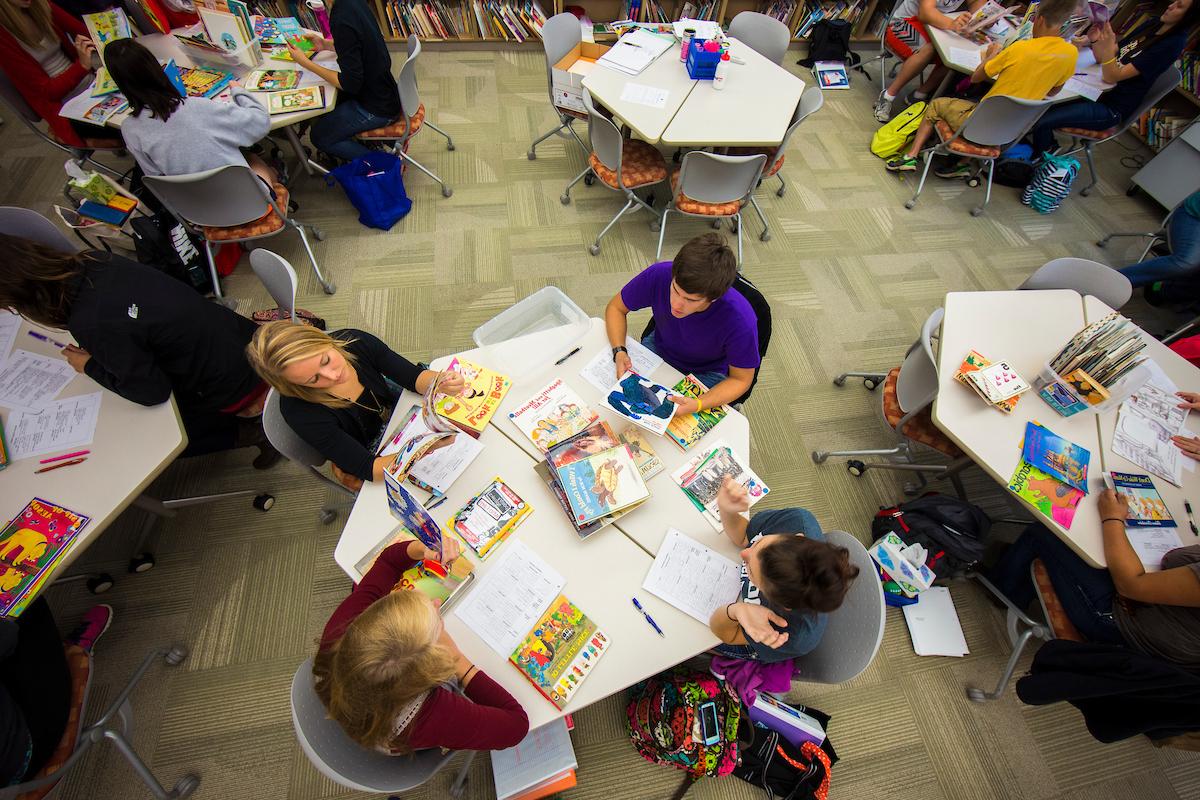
(710, 731)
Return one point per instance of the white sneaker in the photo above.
(883, 108)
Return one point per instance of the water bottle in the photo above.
(688, 35)
(722, 72)
(318, 9)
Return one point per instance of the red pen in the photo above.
(63, 464)
(52, 459)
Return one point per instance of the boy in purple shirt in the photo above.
(701, 324)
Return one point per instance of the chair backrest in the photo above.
(15, 101)
(1162, 86)
(762, 314)
(883, 29)
(1084, 276)
(560, 34)
(410, 97)
(765, 35)
(283, 438)
(917, 383)
(278, 276)
(810, 103)
(855, 630)
(712, 178)
(605, 138)
(344, 761)
(1001, 120)
(221, 197)
(33, 226)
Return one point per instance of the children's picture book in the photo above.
(437, 468)
(204, 81)
(438, 581)
(595, 438)
(641, 401)
(103, 111)
(275, 30)
(472, 408)
(227, 31)
(107, 26)
(996, 382)
(553, 414)
(602, 484)
(411, 514)
(648, 462)
(1145, 425)
(702, 476)
(1056, 456)
(831, 74)
(272, 80)
(1146, 506)
(489, 517)
(4, 459)
(31, 546)
(103, 84)
(687, 429)
(1053, 498)
(550, 478)
(560, 651)
(974, 362)
(305, 98)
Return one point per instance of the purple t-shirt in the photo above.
(723, 335)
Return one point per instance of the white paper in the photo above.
(1145, 425)
(61, 425)
(1084, 87)
(1160, 378)
(962, 57)
(1151, 544)
(30, 381)
(542, 754)
(695, 579)
(705, 29)
(600, 372)
(441, 467)
(10, 324)
(510, 598)
(934, 626)
(1085, 59)
(634, 51)
(645, 95)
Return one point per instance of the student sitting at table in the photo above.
(1183, 261)
(391, 676)
(145, 336)
(1031, 69)
(338, 390)
(908, 38)
(172, 135)
(1133, 64)
(368, 97)
(702, 325)
(791, 580)
(1157, 613)
(47, 55)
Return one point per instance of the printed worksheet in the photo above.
(60, 425)
(1151, 544)
(510, 598)
(30, 381)
(10, 323)
(695, 579)
(600, 372)
(1145, 425)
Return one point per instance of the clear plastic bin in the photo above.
(247, 56)
(509, 335)
(1058, 393)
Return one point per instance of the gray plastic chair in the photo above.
(1162, 86)
(560, 35)
(401, 132)
(998, 122)
(855, 630)
(1084, 276)
(278, 276)
(33, 226)
(609, 148)
(717, 179)
(884, 52)
(227, 197)
(346, 763)
(294, 449)
(765, 35)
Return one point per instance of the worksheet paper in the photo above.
(645, 95)
(1151, 544)
(10, 323)
(542, 754)
(1086, 86)
(695, 579)
(961, 56)
(61, 425)
(600, 372)
(934, 626)
(441, 467)
(508, 601)
(30, 381)
(1145, 425)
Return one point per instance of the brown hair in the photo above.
(803, 574)
(705, 266)
(278, 345)
(39, 12)
(35, 281)
(1055, 12)
(384, 662)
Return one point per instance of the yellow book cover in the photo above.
(480, 398)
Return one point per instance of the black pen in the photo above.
(564, 358)
(1191, 520)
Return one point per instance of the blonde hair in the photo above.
(39, 11)
(278, 345)
(384, 661)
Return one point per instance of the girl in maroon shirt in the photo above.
(391, 676)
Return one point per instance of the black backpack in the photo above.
(784, 771)
(951, 530)
(163, 243)
(829, 40)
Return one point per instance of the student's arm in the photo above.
(726, 391)
(1178, 586)
(616, 324)
(732, 499)
(991, 63)
(738, 622)
(315, 425)
(487, 718)
(928, 13)
(1105, 49)
(391, 364)
(243, 120)
(323, 72)
(122, 363)
(378, 581)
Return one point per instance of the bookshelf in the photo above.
(1160, 125)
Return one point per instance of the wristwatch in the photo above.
(619, 349)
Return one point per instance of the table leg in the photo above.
(310, 166)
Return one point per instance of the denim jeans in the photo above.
(1086, 593)
(742, 651)
(1078, 114)
(709, 379)
(333, 133)
(1184, 260)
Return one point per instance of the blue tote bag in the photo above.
(375, 185)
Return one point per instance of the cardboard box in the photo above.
(569, 72)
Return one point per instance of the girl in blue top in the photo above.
(1184, 259)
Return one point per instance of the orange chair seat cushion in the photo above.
(267, 223)
(1085, 133)
(765, 151)
(641, 165)
(397, 129)
(690, 206)
(920, 428)
(79, 664)
(961, 145)
(1060, 623)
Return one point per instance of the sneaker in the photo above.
(902, 164)
(883, 108)
(93, 625)
(267, 456)
(953, 171)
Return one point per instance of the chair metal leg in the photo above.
(821, 456)
(571, 129)
(595, 248)
(782, 184)
(662, 230)
(564, 124)
(1087, 152)
(449, 141)
(446, 190)
(924, 174)
(1032, 630)
(565, 197)
(737, 218)
(328, 286)
(987, 194)
(765, 236)
(460, 781)
(184, 787)
(1180, 331)
(212, 269)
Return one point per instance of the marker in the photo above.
(56, 466)
(1191, 520)
(76, 454)
(564, 358)
(41, 337)
(649, 618)
(436, 503)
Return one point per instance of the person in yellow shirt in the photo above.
(1031, 69)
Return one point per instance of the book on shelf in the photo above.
(687, 429)
(782, 10)
(32, 545)
(602, 484)
(555, 413)
(560, 651)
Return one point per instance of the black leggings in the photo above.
(35, 678)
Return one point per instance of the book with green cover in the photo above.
(687, 429)
(602, 484)
(559, 652)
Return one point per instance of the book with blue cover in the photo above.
(602, 484)
(1057, 457)
(1146, 506)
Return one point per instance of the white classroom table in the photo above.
(648, 123)
(132, 446)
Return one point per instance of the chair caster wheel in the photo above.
(447, 191)
(532, 156)
(589, 180)
(565, 199)
(733, 227)
(1132, 190)
(327, 516)
(975, 212)
(973, 182)
(870, 384)
(449, 145)
(1084, 192)
(716, 223)
(186, 786)
(100, 584)
(856, 468)
(976, 695)
(329, 287)
(1102, 243)
(911, 489)
(781, 191)
(765, 236)
(142, 562)
(176, 655)
(594, 249)
(840, 380)
(819, 457)
(318, 234)
(656, 226)
(910, 204)
(264, 502)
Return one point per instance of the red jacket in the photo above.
(43, 93)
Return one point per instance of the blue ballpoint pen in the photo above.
(649, 618)
(44, 338)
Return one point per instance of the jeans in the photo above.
(1086, 593)
(1184, 260)
(709, 379)
(1078, 114)
(742, 651)
(333, 133)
